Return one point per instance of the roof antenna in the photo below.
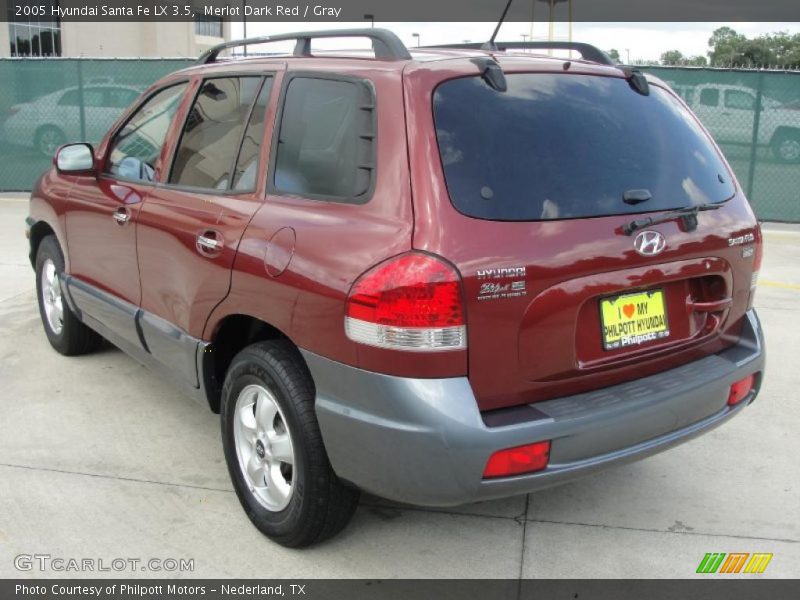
(490, 45)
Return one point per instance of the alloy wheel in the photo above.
(51, 297)
(264, 447)
(790, 149)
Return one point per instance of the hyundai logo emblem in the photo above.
(649, 243)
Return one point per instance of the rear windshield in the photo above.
(560, 146)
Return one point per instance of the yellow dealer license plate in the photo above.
(633, 319)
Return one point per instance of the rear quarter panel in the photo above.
(327, 244)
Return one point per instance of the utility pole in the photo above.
(244, 26)
(533, 5)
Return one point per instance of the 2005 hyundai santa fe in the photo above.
(440, 277)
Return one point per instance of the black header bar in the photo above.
(384, 11)
(398, 589)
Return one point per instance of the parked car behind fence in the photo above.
(72, 113)
(729, 112)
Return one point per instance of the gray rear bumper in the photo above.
(423, 441)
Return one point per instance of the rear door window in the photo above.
(244, 174)
(213, 131)
(561, 146)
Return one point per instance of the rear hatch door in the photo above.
(539, 186)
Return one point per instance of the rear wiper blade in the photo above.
(688, 214)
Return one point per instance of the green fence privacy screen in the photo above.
(46, 102)
(754, 115)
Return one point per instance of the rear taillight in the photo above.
(741, 389)
(758, 254)
(410, 302)
(518, 460)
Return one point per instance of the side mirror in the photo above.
(76, 159)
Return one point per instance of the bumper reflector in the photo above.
(740, 389)
(518, 460)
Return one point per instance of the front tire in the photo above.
(274, 450)
(65, 332)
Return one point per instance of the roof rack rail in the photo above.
(385, 43)
(587, 51)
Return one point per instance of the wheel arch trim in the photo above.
(210, 371)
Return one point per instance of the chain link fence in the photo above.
(753, 114)
(46, 102)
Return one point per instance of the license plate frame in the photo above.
(647, 322)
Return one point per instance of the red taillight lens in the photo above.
(411, 302)
(741, 389)
(413, 290)
(515, 461)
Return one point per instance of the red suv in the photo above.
(442, 277)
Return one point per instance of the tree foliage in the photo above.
(727, 47)
(672, 57)
(676, 57)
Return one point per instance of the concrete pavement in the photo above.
(101, 459)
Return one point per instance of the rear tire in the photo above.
(786, 146)
(65, 332)
(274, 449)
(49, 139)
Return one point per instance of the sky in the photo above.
(642, 41)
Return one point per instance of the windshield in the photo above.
(559, 146)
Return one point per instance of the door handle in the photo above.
(709, 307)
(209, 242)
(121, 216)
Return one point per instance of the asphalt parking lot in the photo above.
(101, 459)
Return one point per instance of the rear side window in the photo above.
(326, 142)
(558, 146)
(213, 131)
